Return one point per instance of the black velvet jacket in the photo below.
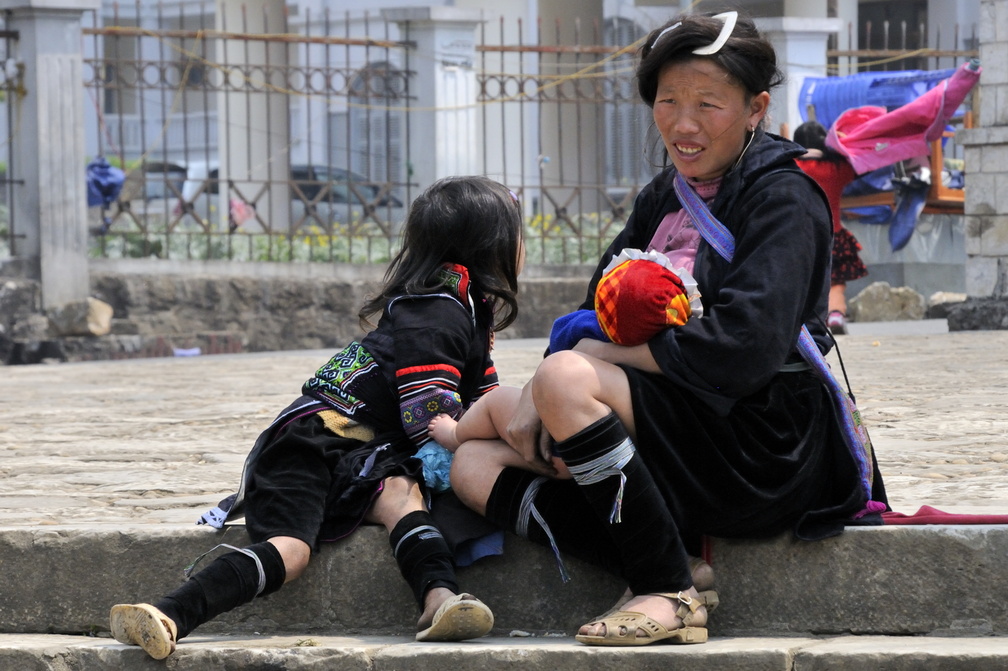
(754, 307)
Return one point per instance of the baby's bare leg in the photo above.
(484, 420)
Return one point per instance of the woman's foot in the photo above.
(702, 574)
(453, 617)
(703, 581)
(653, 617)
(442, 428)
(144, 625)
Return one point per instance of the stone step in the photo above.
(895, 580)
(31, 652)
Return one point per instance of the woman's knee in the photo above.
(566, 375)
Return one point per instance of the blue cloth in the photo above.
(911, 196)
(104, 182)
(437, 462)
(570, 328)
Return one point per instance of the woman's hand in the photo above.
(637, 356)
(525, 434)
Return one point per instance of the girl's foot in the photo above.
(836, 321)
(442, 428)
(144, 625)
(453, 617)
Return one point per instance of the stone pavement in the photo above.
(104, 467)
(160, 440)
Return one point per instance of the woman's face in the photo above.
(704, 117)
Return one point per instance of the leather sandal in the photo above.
(622, 626)
(708, 597)
(144, 625)
(459, 618)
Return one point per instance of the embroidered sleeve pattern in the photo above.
(424, 393)
(332, 381)
(489, 382)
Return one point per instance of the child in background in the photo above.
(345, 451)
(832, 172)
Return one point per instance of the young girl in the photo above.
(344, 452)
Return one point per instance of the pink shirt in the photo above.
(676, 236)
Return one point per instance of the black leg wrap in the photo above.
(634, 514)
(229, 581)
(575, 528)
(423, 555)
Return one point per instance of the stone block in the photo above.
(981, 195)
(18, 298)
(987, 29)
(994, 241)
(978, 314)
(939, 303)
(993, 158)
(981, 275)
(994, 59)
(87, 317)
(880, 302)
(30, 327)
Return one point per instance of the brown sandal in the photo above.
(144, 625)
(622, 626)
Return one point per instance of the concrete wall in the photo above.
(166, 308)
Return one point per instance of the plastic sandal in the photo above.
(622, 627)
(459, 618)
(144, 625)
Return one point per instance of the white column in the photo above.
(444, 126)
(253, 126)
(50, 207)
(986, 158)
(801, 53)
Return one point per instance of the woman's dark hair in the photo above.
(472, 221)
(747, 56)
(812, 135)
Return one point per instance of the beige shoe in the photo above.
(459, 618)
(630, 628)
(144, 625)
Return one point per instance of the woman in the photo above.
(832, 172)
(713, 427)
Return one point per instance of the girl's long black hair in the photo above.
(472, 221)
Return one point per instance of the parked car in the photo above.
(338, 195)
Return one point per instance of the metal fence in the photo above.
(561, 122)
(184, 111)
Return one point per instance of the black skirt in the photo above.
(776, 462)
(307, 482)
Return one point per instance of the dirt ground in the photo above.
(161, 440)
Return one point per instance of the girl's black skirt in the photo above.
(309, 483)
